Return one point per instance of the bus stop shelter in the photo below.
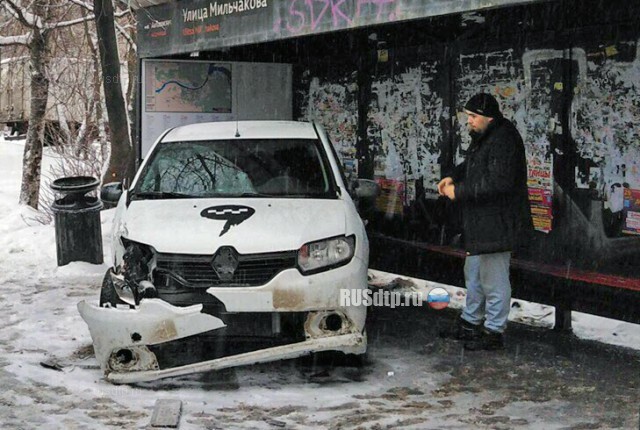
(387, 79)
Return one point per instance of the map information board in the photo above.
(188, 87)
(181, 92)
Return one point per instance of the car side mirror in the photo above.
(110, 193)
(364, 189)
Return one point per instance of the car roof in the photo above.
(246, 129)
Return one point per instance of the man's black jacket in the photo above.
(491, 186)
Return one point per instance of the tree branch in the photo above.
(22, 40)
(18, 12)
(68, 23)
(89, 7)
(120, 14)
(124, 34)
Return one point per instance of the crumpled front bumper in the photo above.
(120, 335)
(342, 342)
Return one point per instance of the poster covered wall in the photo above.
(631, 211)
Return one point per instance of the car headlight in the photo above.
(326, 254)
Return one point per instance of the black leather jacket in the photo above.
(491, 186)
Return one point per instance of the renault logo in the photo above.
(225, 263)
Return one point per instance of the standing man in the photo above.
(491, 187)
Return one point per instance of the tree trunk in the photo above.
(32, 160)
(96, 97)
(86, 132)
(132, 87)
(121, 161)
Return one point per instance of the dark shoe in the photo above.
(488, 340)
(462, 330)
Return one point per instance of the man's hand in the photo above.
(443, 183)
(449, 191)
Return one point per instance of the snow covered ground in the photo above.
(414, 380)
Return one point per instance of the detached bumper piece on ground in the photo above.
(121, 338)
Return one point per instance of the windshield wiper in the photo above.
(316, 195)
(234, 196)
(251, 194)
(162, 195)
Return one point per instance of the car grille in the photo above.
(252, 270)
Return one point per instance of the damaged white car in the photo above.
(231, 230)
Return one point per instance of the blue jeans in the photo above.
(488, 290)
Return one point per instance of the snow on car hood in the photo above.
(197, 226)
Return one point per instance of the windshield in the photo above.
(228, 168)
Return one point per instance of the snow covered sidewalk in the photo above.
(414, 379)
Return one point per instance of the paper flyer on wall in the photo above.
(540, 182)
(391, 197)
(631, 211)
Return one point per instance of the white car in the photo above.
(245, 228)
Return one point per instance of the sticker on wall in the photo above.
(379, 165)
(587, 177)
(333, 105)
(391, 197)
(410, 193)
(540, 176)
(541, 209)
(350, 168)
(540, 182)
(631, 211)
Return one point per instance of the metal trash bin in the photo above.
(77, 220)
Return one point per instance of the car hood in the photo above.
(201, 226)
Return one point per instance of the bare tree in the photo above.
(32, 24)
(121, 160)
(37, 22)
(36, 40)
(105, 48)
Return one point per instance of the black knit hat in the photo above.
(484, 104)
